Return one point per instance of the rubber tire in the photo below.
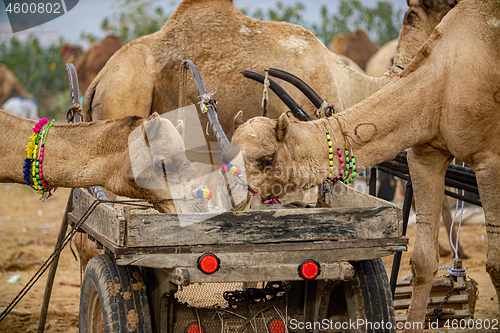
(368, 296)
(121, 292)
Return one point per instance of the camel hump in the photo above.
(185, 4)
(356, 46)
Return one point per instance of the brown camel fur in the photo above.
(100, 156)
(144, 74)
(349, 62)
(88, 66)
(95, 59)
(10, 84)
(381, 60)
(356, 46)
(445, 103)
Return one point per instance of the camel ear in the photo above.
(180, 128)
(238, 120)
(153, 115)
(282, 127)
(152, 126)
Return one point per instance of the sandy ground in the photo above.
(27, 225)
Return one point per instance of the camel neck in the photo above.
(385, 124)
(360, 87)
(16, 132)
(75, 155)
(378, 129)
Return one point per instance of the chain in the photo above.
(271, 292)
(63, 244)
(438, 310)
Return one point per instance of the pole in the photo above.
(406, 214)
(53, 267)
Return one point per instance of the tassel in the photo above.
(27, 171)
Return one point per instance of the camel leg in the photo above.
(427, 170)
(446, 214)
(488, 181)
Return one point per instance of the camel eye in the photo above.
(266, 161)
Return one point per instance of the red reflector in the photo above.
(276, 326)
(309, 269)
(208, 263)
(194, 328)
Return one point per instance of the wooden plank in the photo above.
(389, 244)
(266, 226)
(447, 314)
(342, 195)
(104, 220)
(251, 266)
(437, 285)
(405, 303)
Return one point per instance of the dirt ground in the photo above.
(29, 226)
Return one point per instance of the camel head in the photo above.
(266, 146)
(419, 22)
(160, 167)
(70, 52)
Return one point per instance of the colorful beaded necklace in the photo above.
(349, 153)
(330, 158)
(33, 175)
(350, 161)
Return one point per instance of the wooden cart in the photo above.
(149, 278)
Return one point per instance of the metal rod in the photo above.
(211, 111)
(299, 84)
(397, 256)
(373, 181)
(297, 111)
(53, 266)
(463, 198)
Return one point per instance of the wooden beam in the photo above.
(265, 226)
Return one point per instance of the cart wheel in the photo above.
(113, 298)
(367, 298)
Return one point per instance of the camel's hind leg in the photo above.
(488, 182)
(427, 170)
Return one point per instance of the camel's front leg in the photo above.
(427, 170)
(488, 182)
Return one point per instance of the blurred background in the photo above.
(37, 56)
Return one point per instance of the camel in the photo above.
(88, 66)
(71, 53)
(445, 104)
(349, 62)
(112, 154)
(357, 46)
(380, 61)
(10, 84)
(222, 42)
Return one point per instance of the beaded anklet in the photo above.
(32, 170)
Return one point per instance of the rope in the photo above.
(182, 85)
(455, 247)
(265, 94)
(321, 111)
(61, 246)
